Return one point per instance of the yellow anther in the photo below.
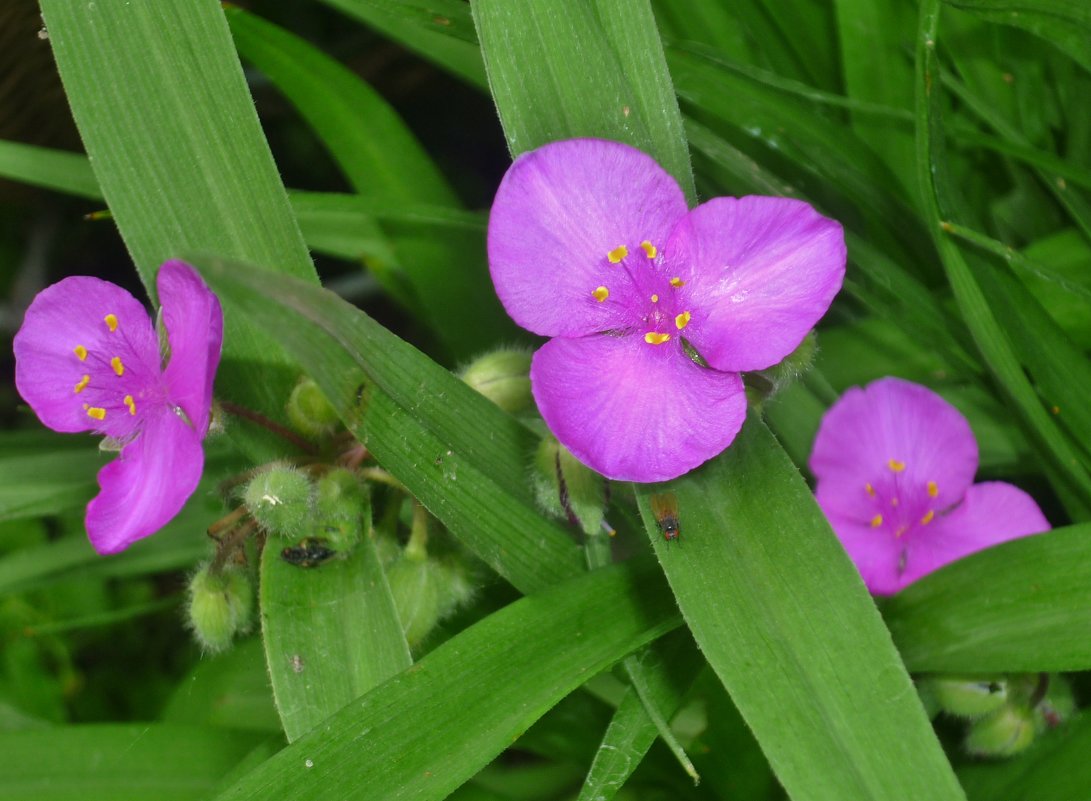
(876, 521)
(649, 249)
(870, 490)
(655, 298)
(655, 338)
(677, 282)
(600, 294)
(933, 489)
(82, 385)
(129, 402)
(928, 517)
(96, 412)
(80, 351)
(901, 530)
(682, 320)
(119, 368)
(895, 465)
(111, 322)
(894, 502)
(617, 254)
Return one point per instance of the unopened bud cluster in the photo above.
(1006, 713)
(221, 605)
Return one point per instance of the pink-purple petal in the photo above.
(194, 323)
(761, 272)
(892, 419)
(72, 314)
(557, 214)
(634, 411)
(147, 485)
(875, 554)
(990, 513)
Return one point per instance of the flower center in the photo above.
(897, 505)
(634, 279)
(112, 382)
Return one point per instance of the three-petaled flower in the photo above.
(591, 243)
(895, 464)
(87, 358)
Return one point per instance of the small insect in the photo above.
(665, 509)
(310, 552)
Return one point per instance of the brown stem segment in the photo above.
(270, 425)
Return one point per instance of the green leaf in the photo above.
(163, 109)
(438, 30)
(1016, 607)
(42, 473)
(991, 338)
(110, 762)
(1064, 23)
(429, 729)
(331, 632)
(456, 452)
(51, 169)
(582, 68)
(781, 615)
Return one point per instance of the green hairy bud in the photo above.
(969, 697)
(1005, 732)
(567, 489)
(221, 605)
(309, 410)
(503, 377)
(280, 499)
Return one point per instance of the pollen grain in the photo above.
(682, 320)
(617, 254)
(81, 352)
(119, 368)
(895, 465)
(111, 322)
(876, 521)
(656, 338)
(82, 385)
(650, 250)
(96, 412)
(600, 294)
(130, 404)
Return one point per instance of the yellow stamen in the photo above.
(617, 254)
(82, 384)
(876, 521)
(677, 282)
(870, 490)
(111, 322)
(649, 249)
(655, 338)
(894, 502)
(682, 320)
(895, 465)
(96, 412)
(119, 368)
(601, 294)
(655, 298)
(80, 351)
(928, 517)
(933, 489)
(901, 530)
(131, 404)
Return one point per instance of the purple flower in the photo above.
(591, 243)
(895, 465)
(87, 359)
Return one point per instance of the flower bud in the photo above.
(1003, 732)
(415, 586)
(768, 382)
(309, 410)
(338, 509)
(566, 488)
(280, 500)
(220, 606)
(968, 696)
(1058, 704)
(503, 377)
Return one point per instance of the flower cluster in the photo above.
(653, 309)
(87, 358)
(895, 465)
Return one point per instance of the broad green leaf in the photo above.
(993, 342)
(162, 106)
(1016, 607)
(115, 762)
(456, 452)
(582, 68)
(438, 30)
(1064, 23)
(429, 729)
(781, 615)
(331, 632)
(42, 473)
(1055, 769)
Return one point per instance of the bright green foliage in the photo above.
(952, 140)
